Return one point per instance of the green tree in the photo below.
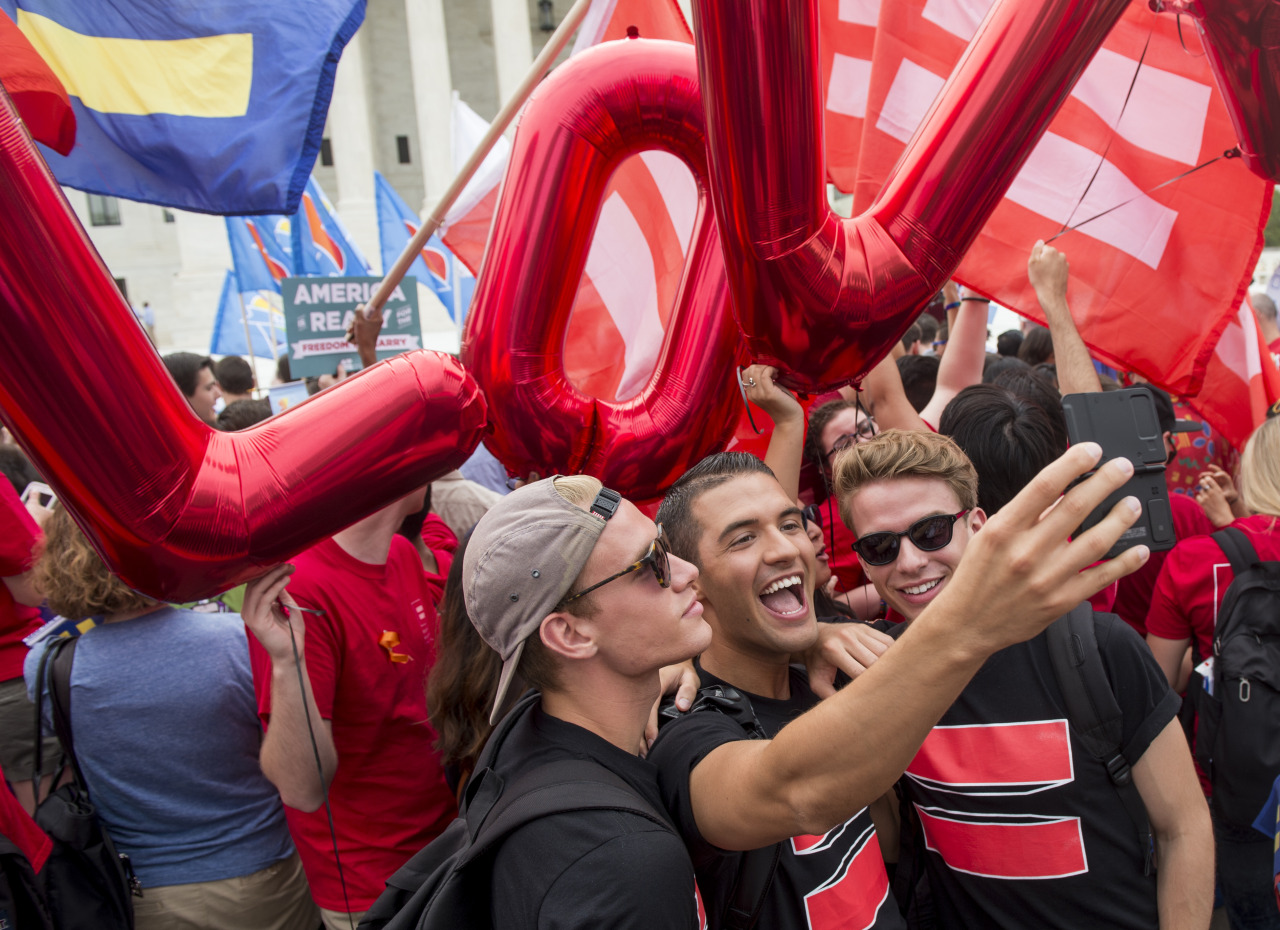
(1271, 235)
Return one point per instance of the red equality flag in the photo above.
(1159, 274)
(846, 39)
(41, 99)
(1241, 380)
(637, 257)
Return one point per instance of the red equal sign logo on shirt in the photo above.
(996, 760)
(851, 897)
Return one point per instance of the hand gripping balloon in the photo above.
(582, 122)
(178, 510)
(823, 298)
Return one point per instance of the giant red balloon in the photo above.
(822, 298)
(1242, 40)
(594, 111)
(178, 510)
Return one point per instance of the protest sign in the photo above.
(317, 311)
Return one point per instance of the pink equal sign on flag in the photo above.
(1241, 380)
(846, 40)
(637, 256)
(1157, 272)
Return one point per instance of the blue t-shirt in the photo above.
(1268, 822)
(167, 734)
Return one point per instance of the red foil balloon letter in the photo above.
(593, 112)
(1242, 40)
(823, 298)
(178, 510)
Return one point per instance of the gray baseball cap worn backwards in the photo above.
(522, 559)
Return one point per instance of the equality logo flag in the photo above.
(321, 244)
(41, 99)
(263, 315)
(211, 107)
(846, 42)
(642, 234)
(258, 251)
(1156, 275)
(436, 267)
(1241, 380)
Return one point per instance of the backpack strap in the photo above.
(1093, 711)
(558, 788)
(54, 674)
(756, 867)
(1236, 547)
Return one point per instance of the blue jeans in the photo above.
(1246, 878)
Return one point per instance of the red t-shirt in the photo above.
(1195, 578)
(18, 536)
(443, 544)
(17, 825)
(1134, 597)
(389, 796)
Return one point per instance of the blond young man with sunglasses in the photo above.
(595, 660)
(1010, 821)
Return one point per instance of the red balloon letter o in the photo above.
(592, 113)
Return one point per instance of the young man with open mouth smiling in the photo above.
(757, 566)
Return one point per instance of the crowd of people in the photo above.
(877, 677)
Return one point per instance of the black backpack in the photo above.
(88, 884)
(446, 886)
(1238, 735)
(22, 903)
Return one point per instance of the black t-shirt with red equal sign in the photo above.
(1021, 826)
(824, 882)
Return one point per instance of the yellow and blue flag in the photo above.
(260, 251)
(260, 312)
(212, 107)
(321, 244)
(436, 267)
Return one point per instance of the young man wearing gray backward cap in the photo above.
(575, 589)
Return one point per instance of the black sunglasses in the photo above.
(928, 534)
(812, 514)
(658, 558)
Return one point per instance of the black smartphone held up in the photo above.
(1125, 424)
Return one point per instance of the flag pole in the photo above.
(248, 339)
(559, 39)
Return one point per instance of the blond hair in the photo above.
(74, 578)
(897, 453)
(1260, 469)
(579, 490)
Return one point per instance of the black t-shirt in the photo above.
(588, 869)
(821, 882)
(1021, 826)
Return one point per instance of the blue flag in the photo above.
(258, 251)
(262, 310)
(212, 107)
(321, 244)
(436, 267)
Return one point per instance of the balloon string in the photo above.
(1228, 154)
(1102, 160)
(1178, 17)
(742, 389)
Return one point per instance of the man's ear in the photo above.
(977, 517)
(567, 635)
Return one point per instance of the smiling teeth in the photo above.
(780, 584)
(920, 589)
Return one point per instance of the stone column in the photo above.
(512, 45)
(351, 136)
(432, 94)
